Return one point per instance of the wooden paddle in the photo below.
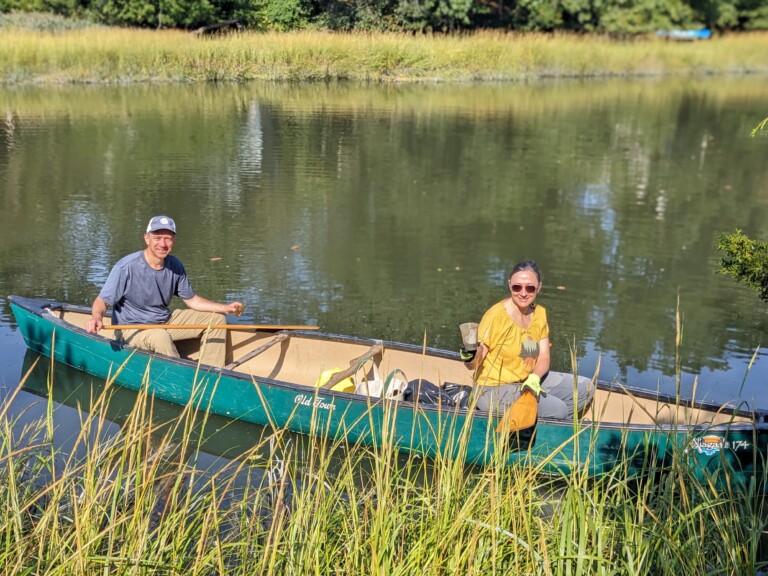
(206, 326)
(521, 415)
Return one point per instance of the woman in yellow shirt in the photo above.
(513, 352)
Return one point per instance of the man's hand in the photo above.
(94, 325)
(532, 383)
(235, 308)
(98, 309)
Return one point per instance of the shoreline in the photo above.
(128, 56)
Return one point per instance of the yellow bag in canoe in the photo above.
(346, 385)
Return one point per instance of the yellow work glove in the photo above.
(466, 355)
(532, 383)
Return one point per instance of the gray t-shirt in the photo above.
(139, 294)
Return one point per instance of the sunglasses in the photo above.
(530, 288)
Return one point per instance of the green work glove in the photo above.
(532, 383)
(467, 355)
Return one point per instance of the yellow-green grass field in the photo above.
(114, 55)
(143, 502)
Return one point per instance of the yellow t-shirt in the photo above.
(512, 349)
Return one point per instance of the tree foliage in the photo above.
(619, 17)
(746, 261)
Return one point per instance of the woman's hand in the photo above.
(477, 360)
(466, 355)
(533, 384)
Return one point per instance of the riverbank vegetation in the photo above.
(745, 261)
(145, 501)
(581, 16)
(109, 55)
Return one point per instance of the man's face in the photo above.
(160, 243)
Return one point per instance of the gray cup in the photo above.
(469, 335)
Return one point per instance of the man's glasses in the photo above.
(530, 288)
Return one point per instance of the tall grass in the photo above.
(117, 55)
(140, 503)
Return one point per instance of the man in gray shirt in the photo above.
(140, 288)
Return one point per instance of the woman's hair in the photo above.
(525, 265)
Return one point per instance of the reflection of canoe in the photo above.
(216, 435)
(208, 433)
(632, 428)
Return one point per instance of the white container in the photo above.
(373, 387)
(469, 335)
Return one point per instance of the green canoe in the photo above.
(272, 382)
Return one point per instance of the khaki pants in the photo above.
(213, 346)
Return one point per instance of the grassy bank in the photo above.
(121, 55)
(143, 502)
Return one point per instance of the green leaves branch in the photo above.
(746, 261)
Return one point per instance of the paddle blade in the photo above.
(521, 415)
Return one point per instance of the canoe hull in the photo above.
(555, 446)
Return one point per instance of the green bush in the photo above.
(746, 261)
(285, 15)
(617, 17)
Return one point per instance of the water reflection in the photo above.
(395, 212)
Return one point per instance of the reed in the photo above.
(143, 502)
(113, 55)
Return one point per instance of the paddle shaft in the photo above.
(206, 326)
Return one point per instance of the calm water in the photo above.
(396, 212)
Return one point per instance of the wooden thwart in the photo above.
(521, 415)
(354, 364)
(256, 351)
(206, 327)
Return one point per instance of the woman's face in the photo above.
(524, 287)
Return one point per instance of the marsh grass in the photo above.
(101, 55)
(139, 502)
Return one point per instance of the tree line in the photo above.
(617, 17)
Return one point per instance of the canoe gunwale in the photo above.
(39, 307)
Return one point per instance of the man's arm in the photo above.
(204, 305)
(98, 309)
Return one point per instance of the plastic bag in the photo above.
(450, 394)
(373, 387)
(345, 385)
